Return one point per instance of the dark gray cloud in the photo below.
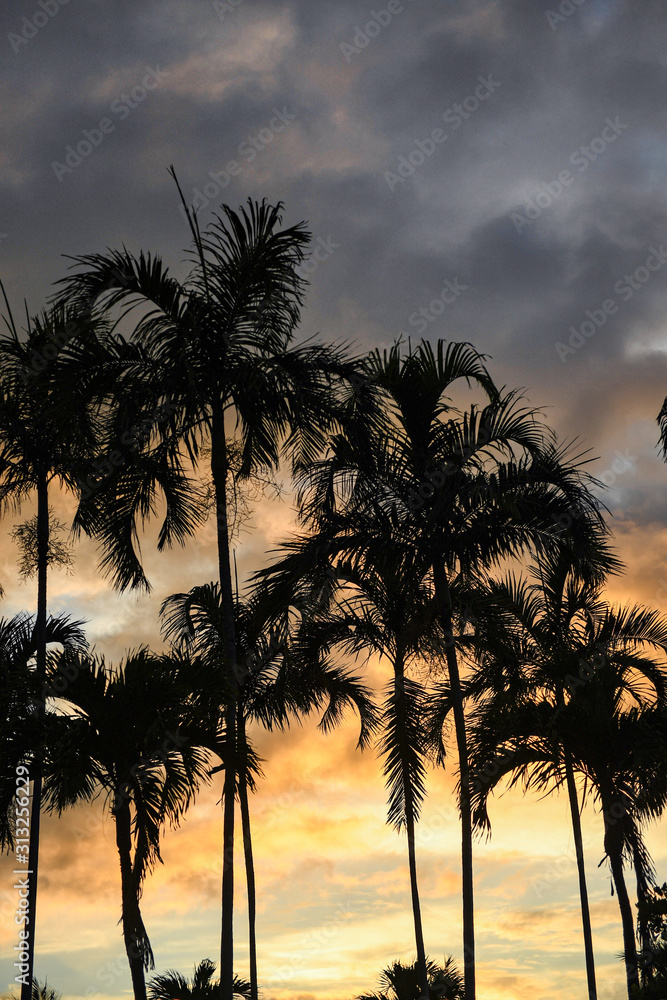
(538, 256)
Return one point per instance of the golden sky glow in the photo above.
(333, 890)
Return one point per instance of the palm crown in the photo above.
(568, 684)
(212, 350)
(401, 982)
(277, 678)
(174, 986)
(464, 488)
(124, 736)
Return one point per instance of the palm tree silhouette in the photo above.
(402, 982)
(385, 608)
(623, 775)
(41, 443)
(557, 666)
(530, 635)
(123, 736)
(662, 423)
(215, 349)
(173, 986)
(21, 726)
(464, 488)
(40, 991)
(278, 684)
(652, 931)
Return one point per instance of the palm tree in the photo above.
(652, 931)
(623, 775)
(173, 986)
(388, 609)
(40, 991)
(40, 444)
(213, 350)
(529, 637)
(662, 423)
(123, 736)
(278, 684)
(21, 725)
(402, 982)
(464, 488)
(557, 669)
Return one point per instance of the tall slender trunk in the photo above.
(581, 868)
(40, 646)
(643, 897)
(134, 932)
(250, 881)
(613, 846)
(227, 936)
(444, 603)
(399, 693)
(220, 472)
(583, 889)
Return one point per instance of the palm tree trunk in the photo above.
(227, 937)
(416, 907)
(133, 928)
(614, 849)
(40, 646)
(629, 947)
(583, 890)
(444, 603)
(220, 471)
(399, 693)
(642, 900)
(581, 868)
(250, 880)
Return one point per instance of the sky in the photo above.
(474, 170)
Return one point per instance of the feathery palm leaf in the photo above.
(171, 985)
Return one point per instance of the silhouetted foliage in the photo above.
(171, 985)
(401, 982)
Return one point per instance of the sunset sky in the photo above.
(482, 170)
